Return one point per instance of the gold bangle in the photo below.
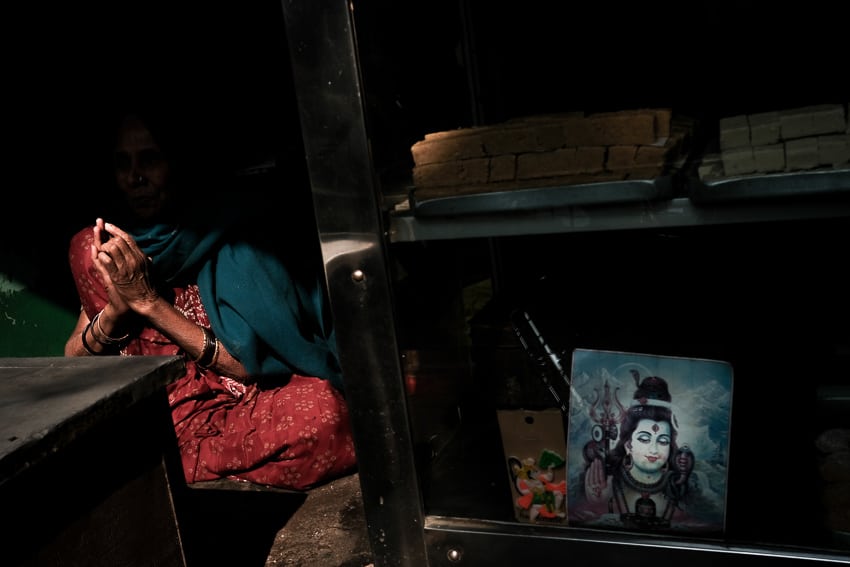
(105, 339)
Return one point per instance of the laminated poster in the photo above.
(648, 442)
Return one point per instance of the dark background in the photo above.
(426, 66)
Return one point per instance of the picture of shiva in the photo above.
(635, 471)
(645, 484)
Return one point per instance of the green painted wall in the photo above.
(31, 324)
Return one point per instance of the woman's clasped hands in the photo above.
(124, 268)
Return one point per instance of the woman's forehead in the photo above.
(133, 134)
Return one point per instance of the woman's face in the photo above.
(650, 445)
(141, 170)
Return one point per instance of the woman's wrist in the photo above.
(108, 329)
(150, 306)
(208, 355)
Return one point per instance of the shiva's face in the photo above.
(142, 171)
(650, 445)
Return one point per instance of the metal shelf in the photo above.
(476, 542)
(676, 212)
(801, 195)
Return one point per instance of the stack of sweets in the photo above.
(548, 150)
(796, 139)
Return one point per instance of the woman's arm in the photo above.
(197, 341)
(74, 344)
(133, 299)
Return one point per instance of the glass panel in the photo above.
(752, 277)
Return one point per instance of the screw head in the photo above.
(454, 555)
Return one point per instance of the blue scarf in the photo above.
(273, 323)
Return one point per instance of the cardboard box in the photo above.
(534, 443)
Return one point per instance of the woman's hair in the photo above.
(171, 129)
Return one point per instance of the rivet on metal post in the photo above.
(358, 275)
(454, 555)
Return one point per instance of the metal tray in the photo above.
(794, 184)
(541, 198)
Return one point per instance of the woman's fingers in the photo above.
(120, 256)
(122, 245)
(117, 232)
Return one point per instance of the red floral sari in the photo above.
(295, 435)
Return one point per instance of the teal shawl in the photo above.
(273, 321)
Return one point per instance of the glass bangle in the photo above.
(86, 345)
(208, 352)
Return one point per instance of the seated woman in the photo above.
(261, 398)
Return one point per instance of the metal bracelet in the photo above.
(209, 350)
(105, 339)
(86, 345)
